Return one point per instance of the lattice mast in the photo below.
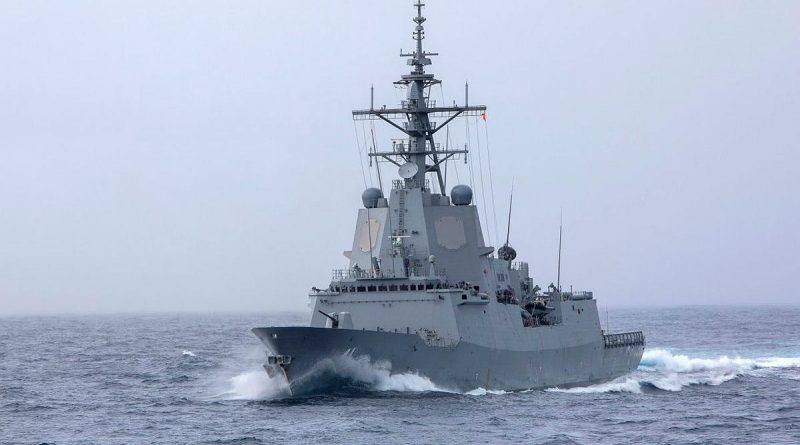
(417, 111)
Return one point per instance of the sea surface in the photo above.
(710, 375)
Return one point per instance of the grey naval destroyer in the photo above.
(423, 292)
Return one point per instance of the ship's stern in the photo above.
(623, 352)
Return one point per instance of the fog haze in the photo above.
(201, 156)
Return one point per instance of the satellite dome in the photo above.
(461, 195)
(370, 197)
(507, 253)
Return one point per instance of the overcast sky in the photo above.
(200, 156)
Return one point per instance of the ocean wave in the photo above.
(659, 369)
(188, 353)
(341, 372)
(254, 385)
(483, 391)
(345, 370)
(779, 362)
(663, 370)
(665, 361)
(623, 384)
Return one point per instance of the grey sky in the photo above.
(200, 155)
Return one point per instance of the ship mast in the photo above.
(420, 154)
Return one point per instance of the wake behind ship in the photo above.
(423, 292)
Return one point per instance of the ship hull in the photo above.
(464, 366)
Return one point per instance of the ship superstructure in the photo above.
(425, 293)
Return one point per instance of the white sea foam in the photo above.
(664, 370)
(377, 376)
(779, 362)
(659, 368)
(666, 361)
(625, 384)
(188, 353)
(255, 385)
(483, 391)
(249, 382)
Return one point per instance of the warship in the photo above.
(424, 293)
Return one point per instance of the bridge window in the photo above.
(370, 288)
(403, 287)
(393, 287)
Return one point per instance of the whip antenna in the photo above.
(507, 252)
(510, 202)
(560, 224)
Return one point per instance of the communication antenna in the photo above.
(510, 202)
(377, 164)
(507, 252)
(417, 111)
(560, 224)
(407, 170)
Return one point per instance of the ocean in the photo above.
(709, 375)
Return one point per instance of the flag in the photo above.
(483, 115)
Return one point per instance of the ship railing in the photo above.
(425, 272)
(416, 273)
(623, 339)
(355, 274)
(506, 297)
(402, 113)
(401, 147)
(407, 184)
(519, 265)
(578, 295)
(412, 103)
(419, 126)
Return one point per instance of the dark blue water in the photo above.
(709, 375)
